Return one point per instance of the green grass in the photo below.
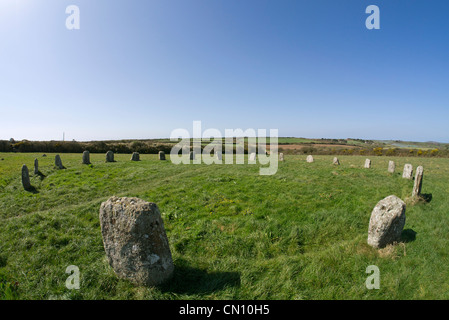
(299, 234)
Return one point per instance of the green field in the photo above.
(299, 234)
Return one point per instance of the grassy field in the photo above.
(299, 234)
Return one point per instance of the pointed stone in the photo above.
(36, 166)
(336, 161)
(310, 159)
(58, 162)
(161, 155)
(418, 182)
(252, 157)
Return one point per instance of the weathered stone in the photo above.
(386, 222)
(281, 156)
(26, 178)
(310, 159)
(110, 156)
(135, 156)
(86, 157)
(135, 241)
(252, 157)
(58, 162)
(161, 155)
(218, 155)
(336, 161)
(367, 164)
(36, 166)
(391, 166)
(408, 171)
(192, 155)
(418, 182)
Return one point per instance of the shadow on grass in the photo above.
(408, 235)
(41, 175)
(427, 197)
(189, 280)
(32, 190)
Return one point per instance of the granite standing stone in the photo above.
(58, 162)
(281, 156)
(192, 155)
(252, 157)
(110, 156)
(26, 178)
(135, 241)
(408, 171)
(161, 155)
(336, 161)
(86, 157)
(418, 182)
(386, 222)
(218, 155)
(367, 163)
(135, 156)
(36, 166)
(391, 166)
(310, 159)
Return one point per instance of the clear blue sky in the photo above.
(140, 69)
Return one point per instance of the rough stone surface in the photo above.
(281, 156)
(310, 159)
(391, 166)
(135, 241)
(336, 161)
(161, 155)
(26, 178)
(218, 155)
(418, 182)
(36, 166)
(386, 222)
(367, 163)
(58, 162)
(252, 157)
(408, 171)
(86, 157)
(135, 156)
(192, 155)
(110, 156)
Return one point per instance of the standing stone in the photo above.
(310, 159)
(418, 182)
(386, 222)
(86, 157)
(58, 162)
(161, 155)
(135, 241)
(110, 156)
(336, 161)
(26, 178)
(36, 166)
(408, 171)
(192, 155)
(391, 166)
(218, 155)
(252, 157)
(367, 163)
(281, 156)
(135, 156)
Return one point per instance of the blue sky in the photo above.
(140, 69)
